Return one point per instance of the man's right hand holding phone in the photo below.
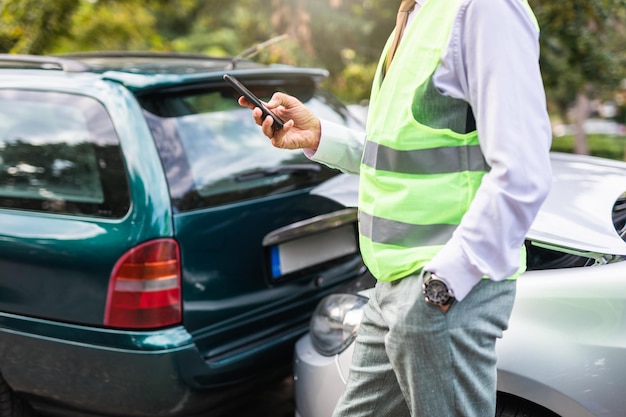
(302, 129)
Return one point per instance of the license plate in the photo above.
(312, 243)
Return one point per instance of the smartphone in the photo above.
(241, 89)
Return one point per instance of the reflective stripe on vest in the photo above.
(392, 232)
(424, 161)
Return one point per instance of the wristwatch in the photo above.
(436, 291)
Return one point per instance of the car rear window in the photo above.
(214, 153)
(59, 153)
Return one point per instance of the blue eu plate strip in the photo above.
(275, 258)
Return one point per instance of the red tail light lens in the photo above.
(144, 290)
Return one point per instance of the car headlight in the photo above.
(335, 322)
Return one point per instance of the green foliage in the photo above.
(110, 25)
(581, 47)
(216, 27)
(33, 26)
(606, 146)
(354, 82)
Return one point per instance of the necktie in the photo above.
(403, 15)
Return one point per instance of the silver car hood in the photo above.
(577, 213)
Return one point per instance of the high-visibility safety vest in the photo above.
(422, 163)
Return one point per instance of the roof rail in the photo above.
(139, 54)
(44, 62)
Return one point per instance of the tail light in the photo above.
(144, 289)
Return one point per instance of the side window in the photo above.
(59, 153)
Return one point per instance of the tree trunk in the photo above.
(292, 18)
(581, 114)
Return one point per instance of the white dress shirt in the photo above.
(491, 62)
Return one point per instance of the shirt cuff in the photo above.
(340, 147)
(452, 266)
(326, 151)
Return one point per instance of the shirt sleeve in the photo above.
(492, 62)
(340, 147)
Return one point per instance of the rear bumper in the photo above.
(70, 370)
(80, 371)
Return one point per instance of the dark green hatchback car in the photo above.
(157, 255)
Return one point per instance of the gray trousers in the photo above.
(410, 359)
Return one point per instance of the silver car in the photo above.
(565, 351)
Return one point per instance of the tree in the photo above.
(33, 26)
(343, 36)
(348, 37)
(581, 40)
(111, 25)
(581, 46)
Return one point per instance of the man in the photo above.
(453, 169)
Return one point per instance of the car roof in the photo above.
(148, 70)
(578, 211)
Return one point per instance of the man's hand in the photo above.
(302, 129)
(444, 309)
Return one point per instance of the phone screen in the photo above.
(241, 89)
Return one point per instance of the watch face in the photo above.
(436, 292)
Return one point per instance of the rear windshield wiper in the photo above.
(309, 170)
(250, 52)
